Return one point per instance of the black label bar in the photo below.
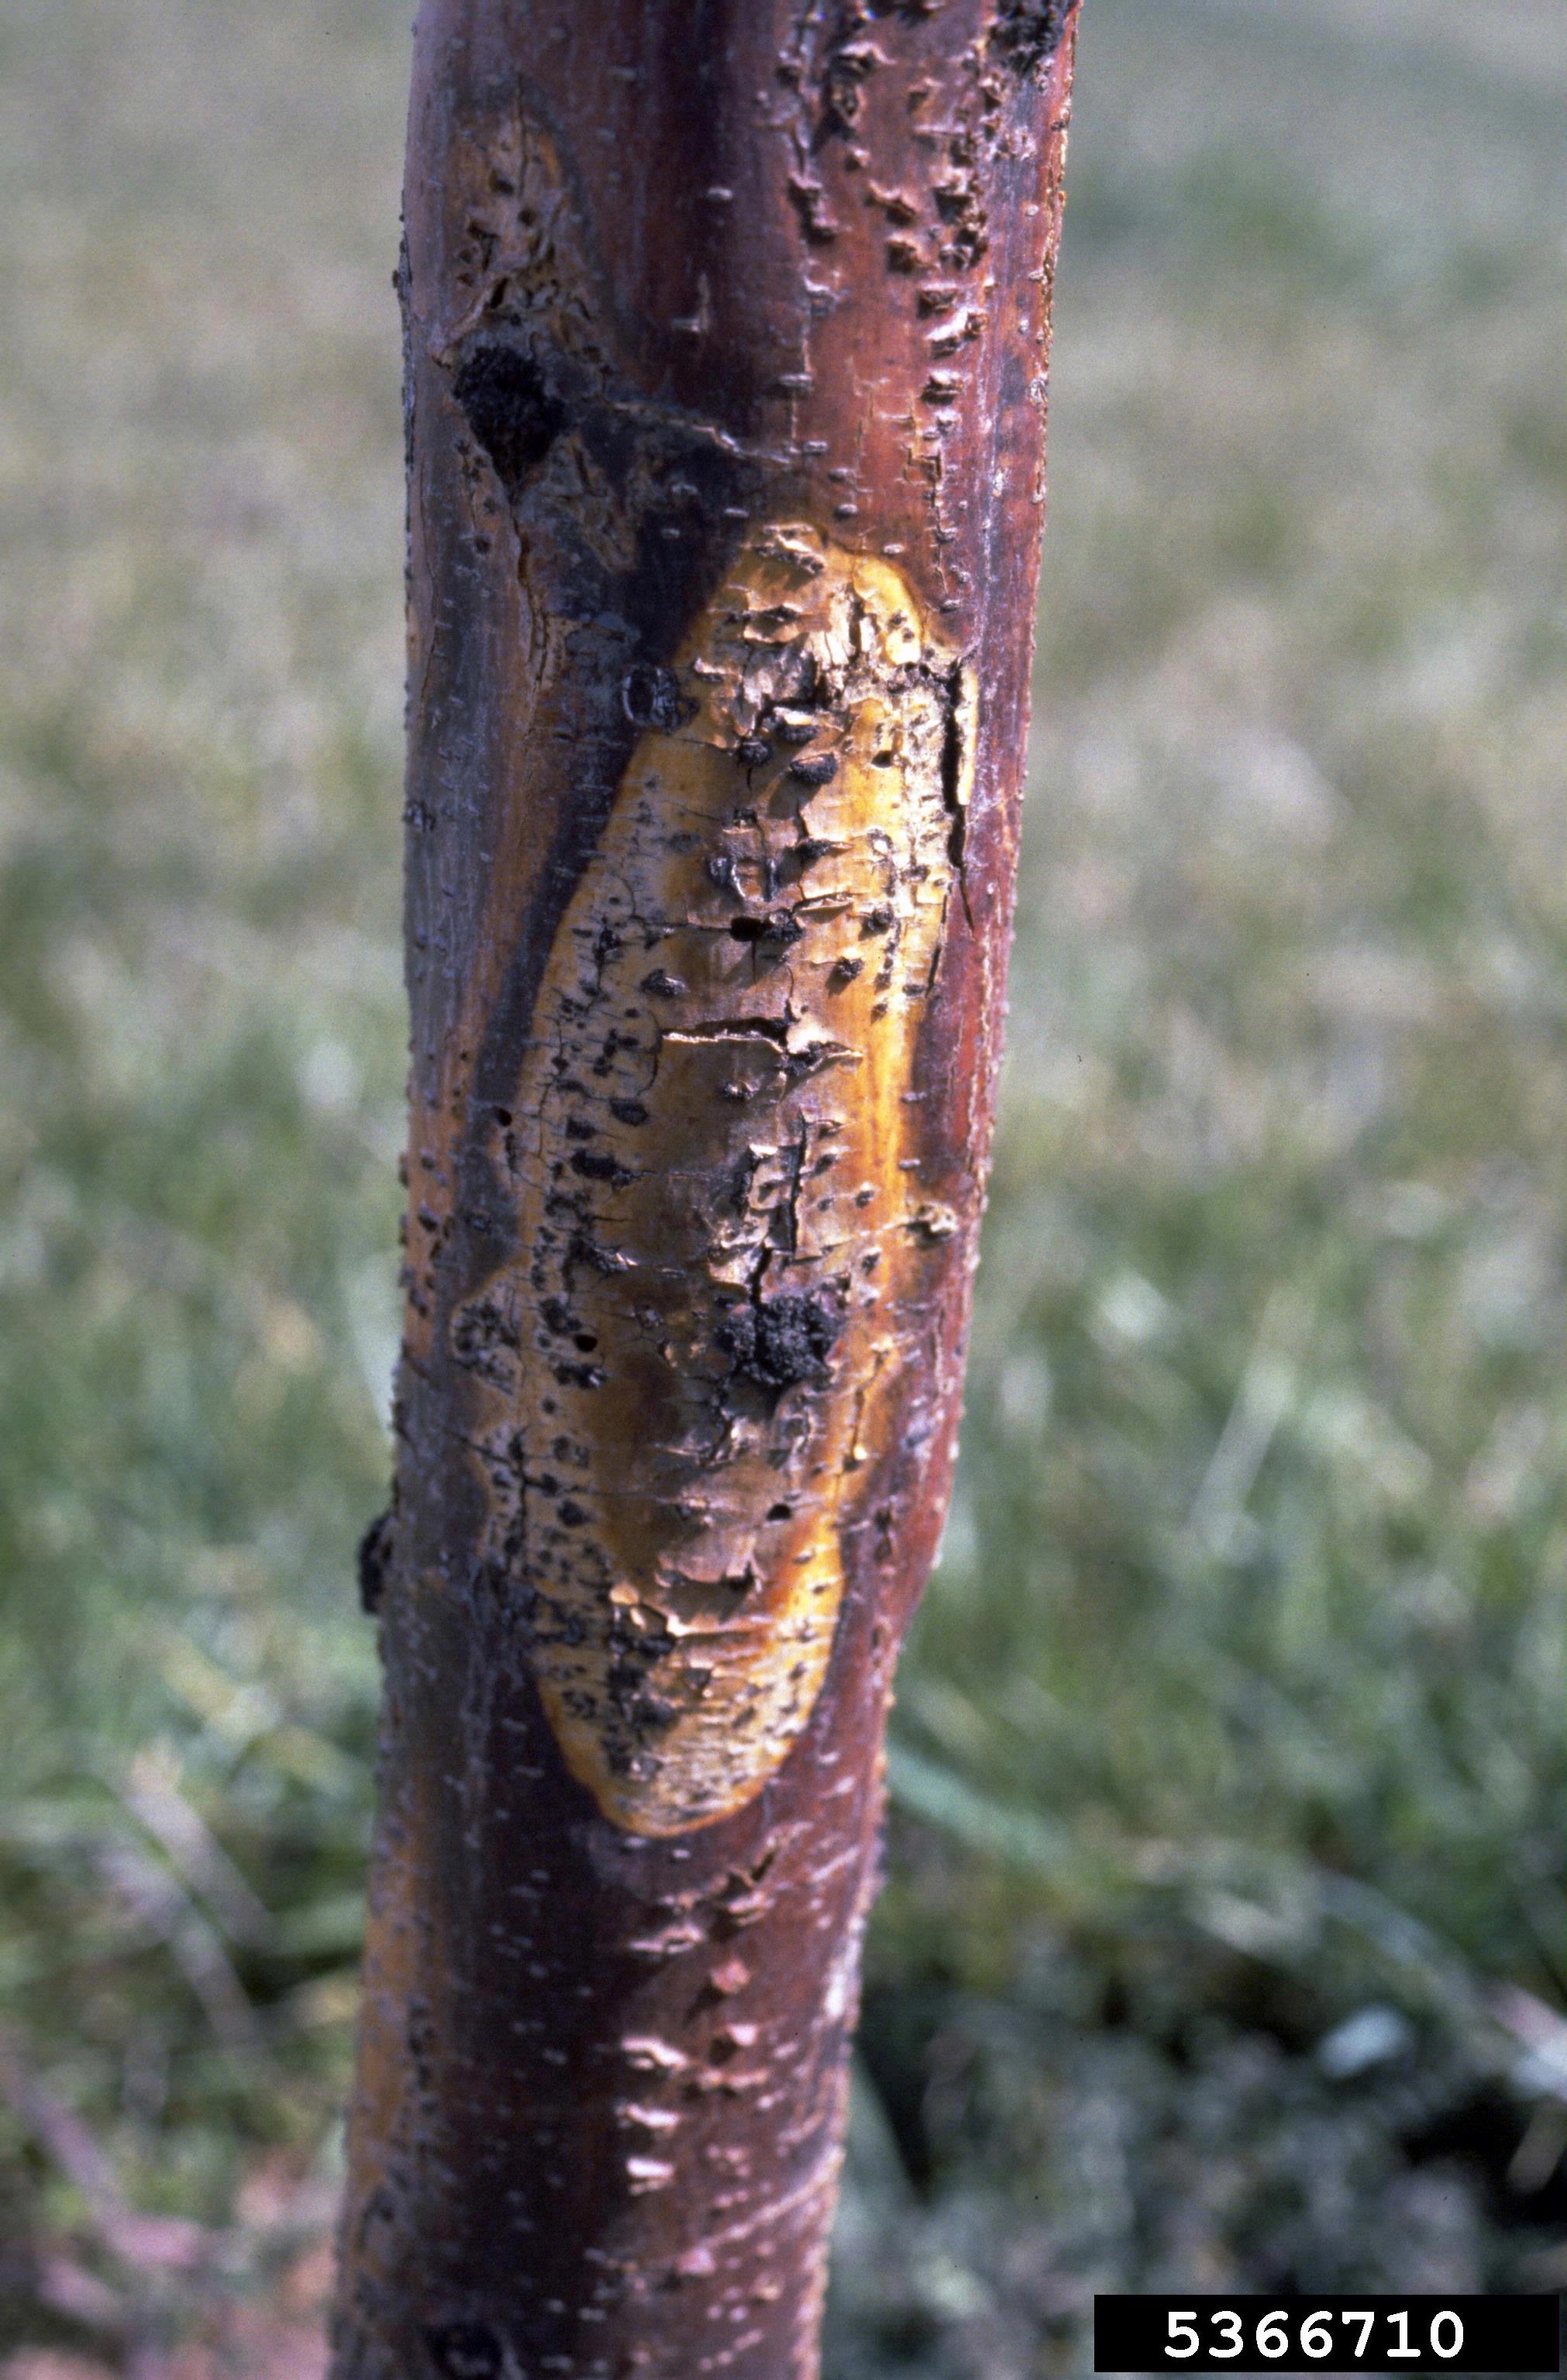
(1414, 2335)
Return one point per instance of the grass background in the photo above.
(1225, 1938)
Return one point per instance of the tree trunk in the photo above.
(726, 326)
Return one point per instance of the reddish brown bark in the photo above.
(726, 335)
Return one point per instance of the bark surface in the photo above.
(726, 337)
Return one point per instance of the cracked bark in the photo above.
(726, 334)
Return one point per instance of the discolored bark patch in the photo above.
(715, 1231)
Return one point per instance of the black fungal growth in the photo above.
(777, 1345)
(778, 928)
(1027, 33)
(651, 697)
(485, 1341)
(509, 410)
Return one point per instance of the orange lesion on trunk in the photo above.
(719, 1230)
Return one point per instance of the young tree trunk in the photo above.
(727, 333)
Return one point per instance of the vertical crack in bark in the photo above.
(962, 698)
(715, 1220)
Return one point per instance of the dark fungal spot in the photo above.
(818, 768)
(751, 751)
(597, 1165)
(780, 928)
(651, 697)
(799, 1064)
(509, 410)
(629, 1112)
(1027, 33)
(843, 973)
(654, 1711)
(663, 985)
(484, 1340)
(778, 1345)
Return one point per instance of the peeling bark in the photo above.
(725, 375)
